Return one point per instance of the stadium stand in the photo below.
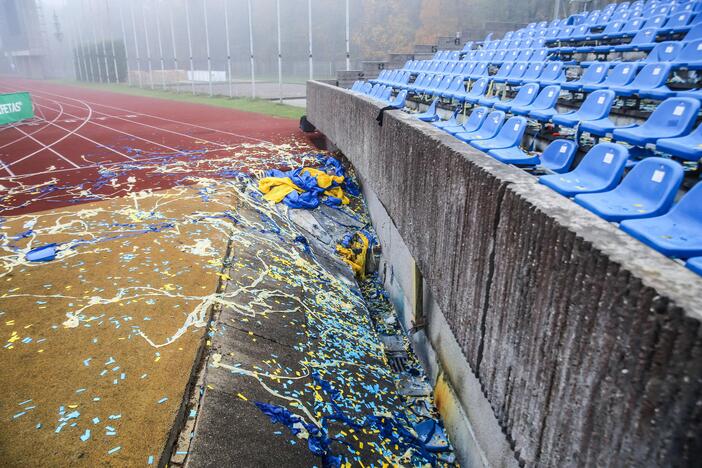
(627, 73)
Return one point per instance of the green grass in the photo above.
(257, 106)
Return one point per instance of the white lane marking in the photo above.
(159, 118)
(44, 147)
(37, 130)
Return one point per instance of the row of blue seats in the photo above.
(643, 201)
(595, 19)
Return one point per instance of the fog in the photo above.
(162, 42)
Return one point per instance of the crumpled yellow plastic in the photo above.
(337, 192)
(324, 180)
(355, 256)
(277, 188)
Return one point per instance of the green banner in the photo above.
(15, 107)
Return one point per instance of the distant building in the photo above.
(22, 39)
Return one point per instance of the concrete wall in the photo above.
(585, 342)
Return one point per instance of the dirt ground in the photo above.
(98, 344)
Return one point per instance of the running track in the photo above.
(79, 132)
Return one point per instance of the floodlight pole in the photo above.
(124, 41)
(77, 68)
(148, 48)
(309, 36)
(190, 48)
(160, 49)
(348, 39)
(104, 53)
(88, 63)
(112, 42)
(173, 39)
(557, 9)
(207, 46)
(136, 46)
(81, 59)
(97, 59)
(229, 51)
(251, 52)
(280, 54)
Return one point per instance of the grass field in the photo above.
(258, 106)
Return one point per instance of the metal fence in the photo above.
(238, 48)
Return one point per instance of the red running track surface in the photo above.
(85, 145)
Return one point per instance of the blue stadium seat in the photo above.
(515, 75)
(677, 233)
(430, 114)
(691, 55)
(477, 91)
(525, 97)
(674, 117)
(385, 94)
(694, 33)
(594, 74)
(665, 52)
(620, 76)
(599, 171)
(695, 264)
(450, 122)
(399, 101)
(474, 121)
(650, 80)
(547, 99)
(557, 157)
(596, 106)
(456, 85)
(648, 190)
(366, 88)
(644, 40)
(539, 55)
(479, 71)
(688, 147)
(553, 74)
(510, 136)
(491, 125)
(631, 27)
(532, 73)
(677, 23)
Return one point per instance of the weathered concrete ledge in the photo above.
(586, 343)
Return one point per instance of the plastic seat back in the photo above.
(552, 71)
(475, 119)
(533, 72)
(655, 22)
(480, 69)
(665, 52)
(504, 70)
(385, 95)
(691, 53)
(366, 89)
(435, 82)
(633, 25)
(525, 55)
(539, 55)
(597, 105)
(456, 84)
(621, 74)
(604, 163)
(694, 33)
(470, 66)
(679, 20)
(581, 31)
(526, 94)
(479, 87)
(518, 70)
(689, 208)
(558, 156)
(399, 101)
(652, 75)
(595, 73)
(614, 27)
(673, 117)
(547, 98)
(374, 90)
(655, 180)
(492, 123)
(512, 132)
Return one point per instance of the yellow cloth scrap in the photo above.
(324, 180)
(355, 256)
(337, 192)
(277, 188)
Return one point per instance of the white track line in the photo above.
(113, 129)
(38, 130)
(159, 118)
(74, 132)
(9, 171)
(44, 147)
